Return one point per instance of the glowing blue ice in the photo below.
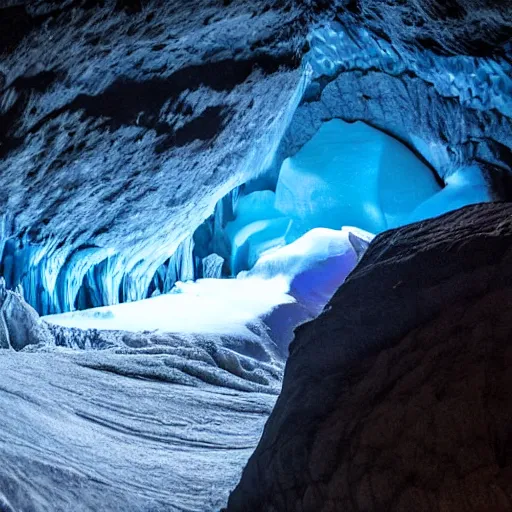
(463, 187)
(352, 174)
(257, 227)
(315, 265)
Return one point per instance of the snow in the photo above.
(208, 306)
(176, 416)
(77, 433)
(314, 266)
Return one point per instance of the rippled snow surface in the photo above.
(78, 438)
(110, 420)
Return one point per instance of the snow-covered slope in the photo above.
(75, 438)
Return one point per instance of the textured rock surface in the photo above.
(453, 108)
(122, 123)
(398, 396)
(20, 325)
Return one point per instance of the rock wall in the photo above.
(398, 397)
(122, 123)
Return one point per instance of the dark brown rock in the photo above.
(399, 396)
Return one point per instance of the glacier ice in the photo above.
(347, 174)
(296, 281)
(463, 187)
(315, 265)
(212, 266)
(478, 82)
(258, 226)
(179, 267)
(313, 268)
(352, 174)
(101, 284)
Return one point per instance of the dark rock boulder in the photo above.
(398, 397)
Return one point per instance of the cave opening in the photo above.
(296, 234)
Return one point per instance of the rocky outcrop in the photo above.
(398, 396)
(20, 325)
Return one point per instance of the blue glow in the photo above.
(352, 174)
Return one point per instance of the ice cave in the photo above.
(255, 258)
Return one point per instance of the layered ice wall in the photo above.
(258, 227)
(463, 187)
(347, 174)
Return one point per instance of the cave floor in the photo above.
(77, 438)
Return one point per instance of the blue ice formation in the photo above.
(352, 174)
(287, 286)
(179, 267)
(312, 268)
(347, 174)
(212, 266)
(464, 186)
(257, 227)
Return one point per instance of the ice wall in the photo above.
(352, 174)
(464, 186)
(346, 174)
(258, 226)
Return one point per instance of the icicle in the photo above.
(73, 272)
